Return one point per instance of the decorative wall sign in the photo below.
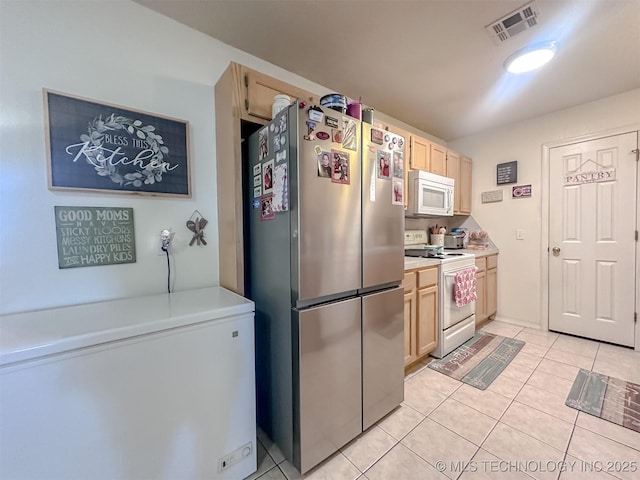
(507, 173)
(91, 236)
(493, 196)
(101, 147)
(593, 176)
(196, 224)
(521, 191)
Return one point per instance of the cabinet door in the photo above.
(438, 160)
(409, 328)
(492, 291)
(453, 171)
(465, 186)
(427, 325)
(481, 294)
(420, 153)
(260, 90)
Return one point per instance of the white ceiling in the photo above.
(430, 63)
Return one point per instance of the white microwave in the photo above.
(430, 195)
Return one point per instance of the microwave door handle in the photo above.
(450, 194)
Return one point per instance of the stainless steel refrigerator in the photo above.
(326, 257)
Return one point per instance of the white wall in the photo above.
(519, 270)
(122, 53)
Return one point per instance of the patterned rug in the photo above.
(609, 398)
(479, 360)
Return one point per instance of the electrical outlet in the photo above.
(166, 239)
(235, 457)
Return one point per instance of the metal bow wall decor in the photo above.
(196, 224)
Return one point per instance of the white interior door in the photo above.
(592, 244)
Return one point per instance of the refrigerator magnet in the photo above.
(280, 200)
(267, 174)
(340, 167)
(398, 165)
(283, 124)
(281, 156)
(283, 140)
(331, 122)
(276, 143)
(349, 134)
(257, 181)
(336, 135)
(257, 192)
(266, 208)
(315, 114)
(257, 169)
(272, 127)
(311, 127)
(397, 192)
(383, 164)
(322, 135)
(324, 164)
(377, 136)
(263, 143)
(317, 149)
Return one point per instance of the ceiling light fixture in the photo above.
(530, 58)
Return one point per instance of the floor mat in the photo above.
(609, 398)
(480, 360)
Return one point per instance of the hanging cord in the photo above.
(168, 271)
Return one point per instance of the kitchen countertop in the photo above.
(411, 263)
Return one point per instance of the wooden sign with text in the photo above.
(91, 236)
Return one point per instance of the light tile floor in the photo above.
(519, 428)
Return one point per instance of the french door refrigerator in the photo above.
(326, 258)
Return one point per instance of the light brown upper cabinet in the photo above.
(258, 90)
(420, 153)
(459, 168)
(438, 163)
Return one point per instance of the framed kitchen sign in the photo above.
(95, 146)
(93, 236)
(507, 173)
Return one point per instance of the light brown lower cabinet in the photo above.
(420, 313)
(486, 287)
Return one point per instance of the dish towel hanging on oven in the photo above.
(464, 287)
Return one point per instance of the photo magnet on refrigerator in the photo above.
(340, 167)
(331, 122)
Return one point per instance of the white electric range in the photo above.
(456, 324)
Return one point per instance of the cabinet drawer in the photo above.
(481, 263)
(492, 261)
(409, 282)
(428, 277)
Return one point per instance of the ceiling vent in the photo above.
(514, 23)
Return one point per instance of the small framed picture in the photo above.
(324, 164)
(383, 164)
(340, 167)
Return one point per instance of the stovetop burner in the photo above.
(420, 252)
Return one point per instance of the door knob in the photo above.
(556, 251)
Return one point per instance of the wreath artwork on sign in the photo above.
(98, 157)
(103, 147)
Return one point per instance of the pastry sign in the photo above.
(590, 177)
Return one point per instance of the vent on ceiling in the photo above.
(514, 23)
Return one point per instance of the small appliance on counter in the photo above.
(454, 240)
